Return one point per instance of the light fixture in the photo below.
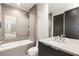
(18, 4)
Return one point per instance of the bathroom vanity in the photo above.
(66, 24)
(50, 47)
(45, 50)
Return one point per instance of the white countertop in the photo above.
(7, 46)
(69, 45)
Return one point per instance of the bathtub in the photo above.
(10, 36)
(18, 48)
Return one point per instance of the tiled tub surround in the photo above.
(68, 45)
(18, 48)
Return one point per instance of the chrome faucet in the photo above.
(57, 38)
(2, 40)
(62, 38)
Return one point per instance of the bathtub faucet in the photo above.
(2, 40)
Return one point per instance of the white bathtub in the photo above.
(10, 36)
(18, 48)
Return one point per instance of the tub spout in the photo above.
(2, 40)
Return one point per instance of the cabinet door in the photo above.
(58, 25)
(46, 50)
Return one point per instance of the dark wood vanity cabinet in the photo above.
(48, 51)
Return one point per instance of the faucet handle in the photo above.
(62, 35)
(1, 38)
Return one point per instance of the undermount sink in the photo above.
(53, 40)
(47, 40)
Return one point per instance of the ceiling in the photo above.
(23, 6)
(56, 8)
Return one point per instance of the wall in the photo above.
(21, 20)
(50, 25)
(0, 19)
(42, 21)
(33, 23)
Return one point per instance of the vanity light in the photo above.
(18, 4)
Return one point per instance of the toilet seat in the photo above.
(33, 51)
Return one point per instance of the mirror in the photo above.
(58, 25)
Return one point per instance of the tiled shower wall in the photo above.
(21, 20)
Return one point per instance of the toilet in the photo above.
(33, 51)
